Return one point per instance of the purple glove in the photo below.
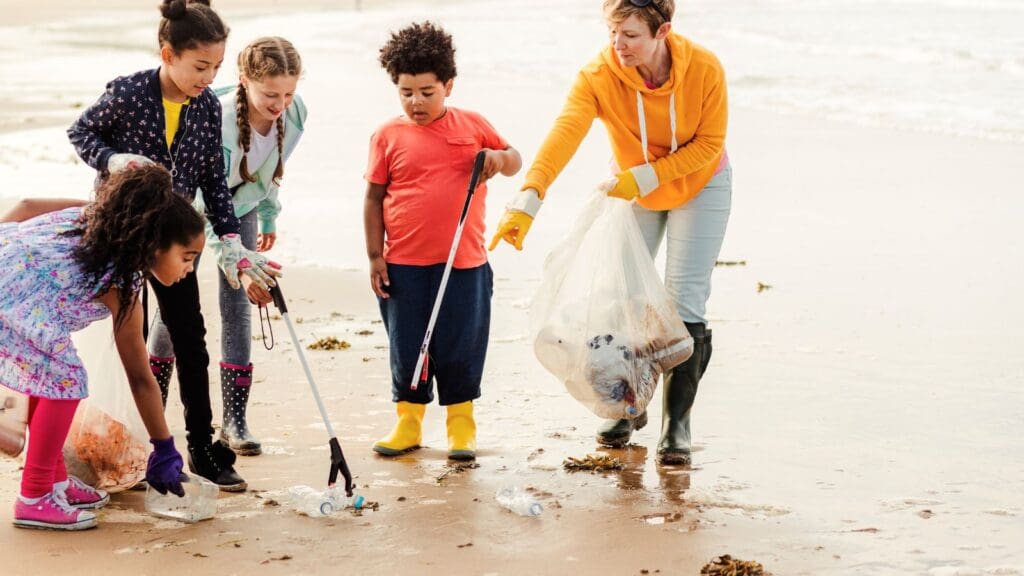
(163, 472)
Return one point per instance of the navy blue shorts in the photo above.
(458, 346)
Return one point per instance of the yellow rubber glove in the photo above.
(637, 182)
(518, 218)
(513, 228)
(625, 186)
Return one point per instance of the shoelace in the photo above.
(60, 500)
(82, 485)
(213, 457)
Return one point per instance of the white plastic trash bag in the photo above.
(107, 446)
(602, 321)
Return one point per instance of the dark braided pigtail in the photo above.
(279, 171)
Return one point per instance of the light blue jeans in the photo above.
(694, 233)
(235, 313)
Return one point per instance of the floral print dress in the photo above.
(44, 297)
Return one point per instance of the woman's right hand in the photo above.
(518, 218)
(512, 228)
(379, 277)
(163, 471)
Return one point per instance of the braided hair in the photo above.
(263, 58)
(135, 214)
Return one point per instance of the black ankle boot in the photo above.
(616, 433)
(163, 369)
(680, 392)
(213, 461)
(234, 388)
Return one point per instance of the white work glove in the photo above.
(233, 258)
(121, 162)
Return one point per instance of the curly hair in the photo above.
(263, 58)
(187, 24)
(419, 49)
(135, 214)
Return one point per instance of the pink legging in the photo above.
(48, 425)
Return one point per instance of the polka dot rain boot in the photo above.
(235, 381)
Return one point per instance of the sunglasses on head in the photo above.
(652, 4)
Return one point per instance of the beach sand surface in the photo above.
(860, 415)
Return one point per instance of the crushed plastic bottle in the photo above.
(318, 503)
(519, 501)
(198, 503)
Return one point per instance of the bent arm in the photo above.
(135, 359)
(512, 162)
(707, 143)
(31, 207)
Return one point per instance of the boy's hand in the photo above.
(379, 277)
(256, 293)
(264, 242)
(494, 161)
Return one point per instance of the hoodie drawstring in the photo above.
(643, 122)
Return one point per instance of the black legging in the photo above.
(180, 312)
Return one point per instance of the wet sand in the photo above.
(860, 415)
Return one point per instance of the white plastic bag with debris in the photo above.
(602, 321)
(107, 446)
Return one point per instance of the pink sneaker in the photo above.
(82, 496)
(52, 512)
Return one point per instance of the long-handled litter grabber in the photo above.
(338, 463)
(420, 373)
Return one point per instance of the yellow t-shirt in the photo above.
(172, 112)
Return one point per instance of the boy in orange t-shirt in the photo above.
(419, 167)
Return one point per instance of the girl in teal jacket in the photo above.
(263, 121)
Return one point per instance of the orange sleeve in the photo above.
(565, 136)
(708, 141)
(377, 171)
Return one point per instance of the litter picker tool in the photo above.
(338, 463)
(420, 373)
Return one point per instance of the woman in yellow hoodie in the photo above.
(662, 99)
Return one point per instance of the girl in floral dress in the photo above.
(64, 265)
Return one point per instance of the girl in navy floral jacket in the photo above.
(169, 116)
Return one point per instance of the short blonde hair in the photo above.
(620, 10)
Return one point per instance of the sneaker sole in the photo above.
(37, 525)
(233, 487)
(385, 451)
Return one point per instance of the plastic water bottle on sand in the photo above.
(519, 501)
(198, 503)
(317, 503)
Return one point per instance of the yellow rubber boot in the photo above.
(407, 433)
(461, 432)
